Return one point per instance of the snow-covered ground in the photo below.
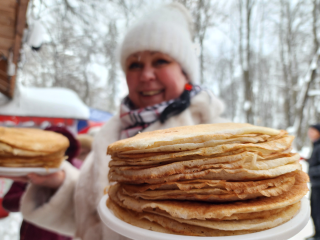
(10, 227)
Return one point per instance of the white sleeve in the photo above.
(49, 210)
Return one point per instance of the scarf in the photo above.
(134, 121)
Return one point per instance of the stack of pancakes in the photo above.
(206, 180)
(24, 147)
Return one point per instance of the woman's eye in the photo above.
(135, 65)
(160, 62)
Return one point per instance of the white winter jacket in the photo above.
(71, 210)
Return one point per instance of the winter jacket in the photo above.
(72, 209)
(314, 165)
(28, 231)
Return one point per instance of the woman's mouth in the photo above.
(151, 93)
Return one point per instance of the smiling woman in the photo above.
(161, 68)
(153, 77)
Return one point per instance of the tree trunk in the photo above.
(245, 59)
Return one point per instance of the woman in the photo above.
(160, 65)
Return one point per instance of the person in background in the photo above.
(161, 67)
(11, 200)
(314, 174)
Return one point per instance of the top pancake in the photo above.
(187, 134)
(32, 140)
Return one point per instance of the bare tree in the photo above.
(109, 46)
(307, 81)
(258, 54)
(245, 10)
(206, 16)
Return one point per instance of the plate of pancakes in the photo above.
(27, 150)
(152, 231)
(228, 180)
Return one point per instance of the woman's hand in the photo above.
(53, 180)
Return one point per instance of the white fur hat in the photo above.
(167, 29)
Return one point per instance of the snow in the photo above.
(314, 63)
(45, 102)
(313, 93)
(247, 105)
(305, 152)
(291, 130)
(10, 227)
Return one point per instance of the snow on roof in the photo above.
(44, 102)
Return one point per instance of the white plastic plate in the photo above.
(282, 232)
(20, 172)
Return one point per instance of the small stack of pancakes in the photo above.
(26, 147)
(206, 180)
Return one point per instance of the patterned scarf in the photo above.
(135, 120)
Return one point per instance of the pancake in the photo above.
(252, 224)
(25, 148)
(186, 134)
(8, 151)
(162, 224)
(43, 162)
(206, 180)
(212, 174)
(32, 140)
(202, 211)
(222, 191)
(271, 147)
(228, 158)
(239, 161)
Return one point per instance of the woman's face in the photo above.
(152, 78)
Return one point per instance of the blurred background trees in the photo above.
(261, 57)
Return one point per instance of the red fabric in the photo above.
(11, 200)
(74, 148)
(3, 212)
(188, 87)
(37, 120)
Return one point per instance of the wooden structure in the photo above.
(12, 25)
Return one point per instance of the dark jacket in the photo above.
(314, 165)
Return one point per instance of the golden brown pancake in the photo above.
(240, 161)
(202, 211)
(220, 191)
(24, 147)
(162, 224)
(206, 180)
(188, 134)
(33, 140)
